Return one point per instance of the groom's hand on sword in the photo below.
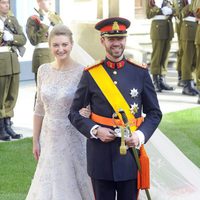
(132, 141)
(105, 134)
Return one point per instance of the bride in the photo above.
(61, 172)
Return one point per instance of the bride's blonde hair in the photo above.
(60, 29)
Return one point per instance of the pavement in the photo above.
(169, 102)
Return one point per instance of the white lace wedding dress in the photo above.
(61, 172)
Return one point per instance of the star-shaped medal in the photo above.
(134, 108)
(134, 93)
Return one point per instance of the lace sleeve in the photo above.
(39, 107)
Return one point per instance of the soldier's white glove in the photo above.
(1, 25)
(46, 21)
(7, 36)
(166, 10)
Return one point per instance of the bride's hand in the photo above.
(36, 150)
(85, 112)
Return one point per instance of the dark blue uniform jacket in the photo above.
(104, 159)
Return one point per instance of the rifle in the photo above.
(42, 17)
(151, 3)
(126, 123)
(167, 3)
(186, 3)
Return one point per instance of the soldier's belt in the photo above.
(5, 49)
(190, 19)
(115, 122)
(42, 45)
(160, 17)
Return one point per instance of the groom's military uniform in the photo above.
(106, 166)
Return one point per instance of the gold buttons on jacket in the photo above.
(115, 82)
(115, 72)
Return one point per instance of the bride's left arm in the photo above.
(85, 112)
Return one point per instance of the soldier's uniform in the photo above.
(37, 33)
(196, 10)
(109, 170)
(9, 72)
(161, 34)
(178, 5)
(187, 37)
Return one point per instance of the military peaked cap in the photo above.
(113, 27)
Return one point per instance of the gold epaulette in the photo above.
(132, 61)
(98, 62)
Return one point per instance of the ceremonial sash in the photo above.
(110, 91)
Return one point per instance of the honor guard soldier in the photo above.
(161, 33)
(196, 11)
(37, 28)
(178, 6)
(187, 37)
(12, 40)
(110, 86)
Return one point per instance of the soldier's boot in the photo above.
(3, 134)
(180, 81)
(156, 83)
(164, 85)
(189, 88)
(9, 130)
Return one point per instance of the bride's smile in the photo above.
(61, 47)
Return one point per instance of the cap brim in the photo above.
(114, 35)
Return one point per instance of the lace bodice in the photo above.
(56, 89)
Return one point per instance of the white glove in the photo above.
(1, 25)
(7, 36)
(46, 21)
(166, 10)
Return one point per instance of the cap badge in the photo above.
(115, 26)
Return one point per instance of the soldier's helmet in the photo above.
(113, 27)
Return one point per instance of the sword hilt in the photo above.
(122, 149)
(124, 117)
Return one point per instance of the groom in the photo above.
(111, 173)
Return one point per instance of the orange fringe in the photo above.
(144, 173)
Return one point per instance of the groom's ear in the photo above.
(102, 39)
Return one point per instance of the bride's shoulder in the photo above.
(95, 64)
(44, 68)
